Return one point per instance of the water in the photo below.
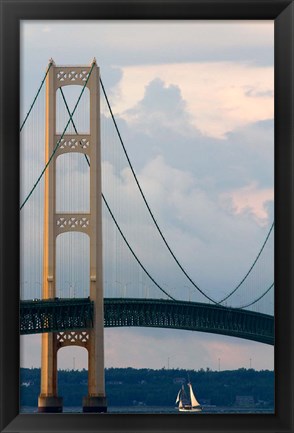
(163, 410)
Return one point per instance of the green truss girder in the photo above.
(52, 315)
(73, 314)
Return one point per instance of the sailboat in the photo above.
(184, 404)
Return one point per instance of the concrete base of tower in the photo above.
(95, 404)
(50, 404)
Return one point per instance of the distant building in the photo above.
(244, 400)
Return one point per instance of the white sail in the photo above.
(194, 401)
(178, 396)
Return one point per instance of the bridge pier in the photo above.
(94, 404)
(48, 404)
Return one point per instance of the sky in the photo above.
(194, 104)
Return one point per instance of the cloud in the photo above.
(161, 107)
(186, 214)
(250, 199)
(216, 94)
(191, 182)
(117, 44)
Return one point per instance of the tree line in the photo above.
(130, 386)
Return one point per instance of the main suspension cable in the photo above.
(250, 269)
(156, 224)
(132, 251)
(260, 297)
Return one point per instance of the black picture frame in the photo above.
(282, 12)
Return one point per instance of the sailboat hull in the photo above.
(190, 409)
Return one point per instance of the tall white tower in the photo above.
(57, 223)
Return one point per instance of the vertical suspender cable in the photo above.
(33, 103)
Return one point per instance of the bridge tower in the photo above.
(56, 223)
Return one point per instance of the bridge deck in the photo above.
(73, 314)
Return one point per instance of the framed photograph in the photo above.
(146, 216)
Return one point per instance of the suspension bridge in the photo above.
(85, 206)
